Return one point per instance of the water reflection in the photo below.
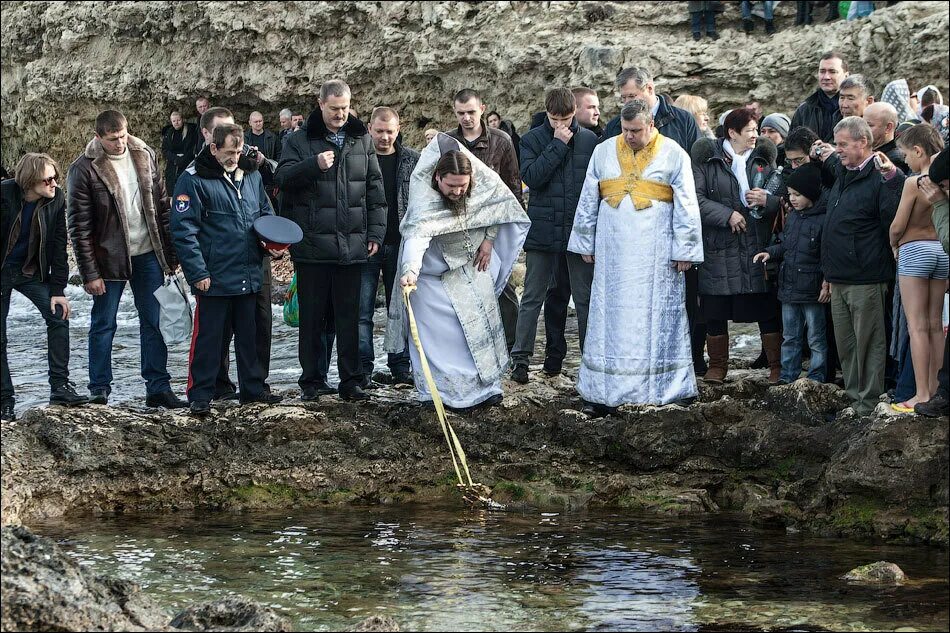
(445, 570)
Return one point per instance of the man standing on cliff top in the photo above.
(495, 149)
(638, 222)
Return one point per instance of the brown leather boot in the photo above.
(718, 349)
(772, 344)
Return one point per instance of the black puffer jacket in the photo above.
(554, 173)
(340, 210)
(800, 277)
(728, 267)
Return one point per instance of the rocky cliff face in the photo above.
(64, 62)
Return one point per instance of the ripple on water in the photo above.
(435, 569)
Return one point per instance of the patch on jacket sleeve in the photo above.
(182, 203)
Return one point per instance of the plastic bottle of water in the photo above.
(771, 185)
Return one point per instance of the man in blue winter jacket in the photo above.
(214, 208)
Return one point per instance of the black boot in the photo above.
(520, 374)
(353, 393)
(66, 395)
(769, 27)
(165, 400)
(748, 25)
(200, 408)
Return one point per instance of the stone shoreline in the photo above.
(769, 453)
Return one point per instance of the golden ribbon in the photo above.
(632, 164)
(475, 494)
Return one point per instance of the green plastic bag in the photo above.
(291, 307)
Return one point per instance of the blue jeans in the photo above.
(906, 381)
(746, 8)
(385, 261)
(701, 18)
(147, 276)
(796, 317)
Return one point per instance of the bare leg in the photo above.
(915, 295)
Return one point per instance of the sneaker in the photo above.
(520, 374)
(7, 414)
(165, 400)
(200, 408)
(264, 398)
(403, 378)
(353, 393)
(98, 397)
(936, 407)
(66, 396)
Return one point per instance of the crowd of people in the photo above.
(827, 228)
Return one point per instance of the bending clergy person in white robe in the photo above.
(461, 236)
(638, 221)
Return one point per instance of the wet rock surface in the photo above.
(781, 456)
(46, 590)
(881, 572)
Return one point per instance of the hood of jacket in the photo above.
(317, 130)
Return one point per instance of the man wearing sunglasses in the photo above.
(34, 264)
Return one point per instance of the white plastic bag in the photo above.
(175, 315)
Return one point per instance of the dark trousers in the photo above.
(262, 319)
(582, 278)
(772, 325)
(508, 305)
(697, 325)
(320, 288)
(212, 314)
(803, 15)
(943, 376)
(703, 18)
(547, 282)
(57, 329)
(385, 260)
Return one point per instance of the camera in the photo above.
(819, 151)
(250, 152)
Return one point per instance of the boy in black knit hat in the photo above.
(801, 286)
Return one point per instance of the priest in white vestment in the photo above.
(461, 236)
(638, 221)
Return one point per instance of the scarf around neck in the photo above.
(738, 167)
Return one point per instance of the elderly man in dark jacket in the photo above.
(333, 188)
(33, 261)
(671, 122)
(554, 164)
(117, 216)
(216, 204)
(396, 163)
(820, 112)
(856, 257)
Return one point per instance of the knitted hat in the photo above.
(806, 180)
(939, 169)
(778, 122)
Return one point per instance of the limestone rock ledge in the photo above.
(789, 455)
